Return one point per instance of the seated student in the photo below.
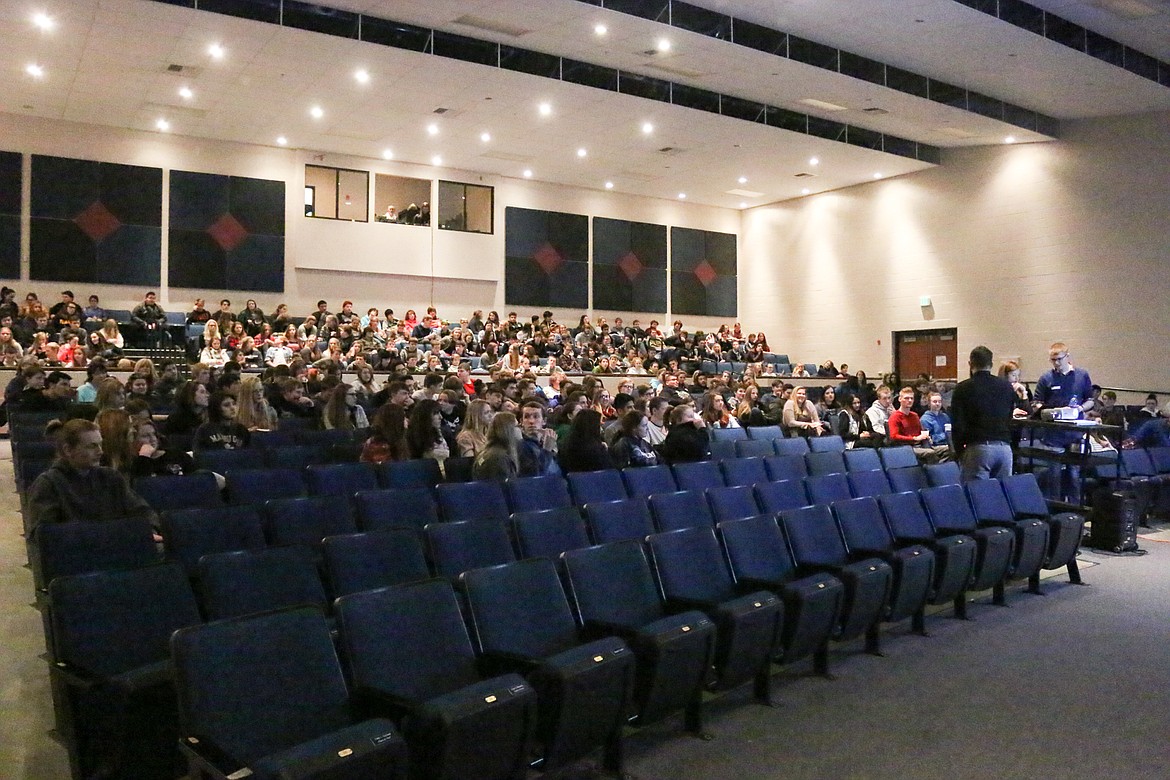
(138, 386)
(151, 458)
(687, 440)
(878, 414)
(905, 427)
(657, 408)
(632, 446)
(94, 312)
(95, 374)
(800, 416)
(190, 409)
(76, 488)
(477, 420)
(583, 448)
(387, 436)
(291, 400)
(1149, 410)
(342, 410)
(748, 410)
(213, 354)
(424, 433)
(500, 459)
(199, 314)
(32, 396)
(852, 425)
(1107, 410)
(935, 421)
(222, 431)
(167, 384)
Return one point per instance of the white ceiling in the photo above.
(106, 63)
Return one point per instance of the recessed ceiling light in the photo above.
(609, 185)
(361, 76)
(1011, 139)
(281, 140)
(527, 173)
(600, 29)
(43, 21)
(216, 51)
(34, 70)
(582, 152)
(742, 180)
(316, 112)
(877, 175)
(485, 137)
(813, 161)
(647, 128)
(163, 125)
(805, 191)
(432, 129)
(545, 109)
(436, 160)
(387, 154)
(663, 45)
(742, 205)
(186, 93)
(682, 196)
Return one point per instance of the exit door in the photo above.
(932, 352)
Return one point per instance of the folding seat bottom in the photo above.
(812, 607)
(867, 590)
(583, 694)
(1031, 548)
(677, 651)
(954, 561)
(1065, 531)
(461, 732)
(913, 579)
(995, 547)
(749, 627)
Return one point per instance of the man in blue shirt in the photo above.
(1064, 386)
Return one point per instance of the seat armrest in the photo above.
(74, 676)
(204, 759)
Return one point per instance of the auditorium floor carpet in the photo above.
(1075, 683)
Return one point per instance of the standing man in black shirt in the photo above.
(981, 409)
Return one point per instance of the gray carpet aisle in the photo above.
(1073, 684)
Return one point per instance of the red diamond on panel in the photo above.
(705, 273)
(227, 232)
(548, 258)
(97, 221)
(631, 266)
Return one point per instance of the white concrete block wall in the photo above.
(1017, 246)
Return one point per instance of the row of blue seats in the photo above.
(469, 499)
(877, 559)
(545, 524)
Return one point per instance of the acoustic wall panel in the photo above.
(546, 259)
(702, 273)
(95, 222)
(226, 232)
(10, 181)
(629, 265)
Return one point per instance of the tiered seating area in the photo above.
(707, 576)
